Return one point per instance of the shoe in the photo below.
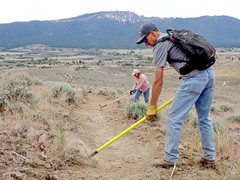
(207, 163)
(164, 164)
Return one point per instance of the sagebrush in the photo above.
(16, 91)
(138, 110)
(64, 89)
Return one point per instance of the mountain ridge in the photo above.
(113, 30)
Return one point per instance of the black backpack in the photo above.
(201, 53)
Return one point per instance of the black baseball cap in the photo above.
(144, 30)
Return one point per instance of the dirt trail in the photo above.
(132, 155)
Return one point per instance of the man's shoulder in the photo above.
(163, 45)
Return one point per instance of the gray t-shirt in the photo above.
(168, 49)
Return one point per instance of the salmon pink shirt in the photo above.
(141, 83)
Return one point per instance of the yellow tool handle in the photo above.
(128, 129)
(113, 101)
(118, 99)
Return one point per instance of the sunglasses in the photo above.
(145, 40)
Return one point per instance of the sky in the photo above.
(28, 10)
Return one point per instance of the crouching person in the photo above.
(141, 85)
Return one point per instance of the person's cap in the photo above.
(135, 71)
(144, 30)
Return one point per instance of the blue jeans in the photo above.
(196, 90)
(146, 95)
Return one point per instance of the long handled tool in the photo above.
(112, 101)
(128, 129)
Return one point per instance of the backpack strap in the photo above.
(169, 31)
(167, 37)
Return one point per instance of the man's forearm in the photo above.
(157, 85)
(156, 90)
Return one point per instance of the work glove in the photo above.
(132, 92)
(151, 112)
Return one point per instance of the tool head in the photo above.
(92, 154)
(102, 106)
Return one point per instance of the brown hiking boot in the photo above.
(207, 163)
(164, 164)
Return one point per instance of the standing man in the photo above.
(196, 88)
(141, 85)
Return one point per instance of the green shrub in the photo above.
(112, 93)
(221, 108)
(226, 107)
(26, 78)
(61, 138)
(218, 127)
(18, 88)
(138, 111)
(234, 118)
(63, 88)
(103, 91)
(214, 110)
(3, 102)
(107, 92)
(16, 91)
